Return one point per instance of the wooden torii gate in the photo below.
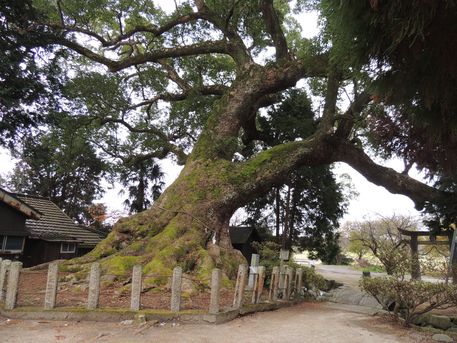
(414, 246)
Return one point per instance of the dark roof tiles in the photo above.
(55, 225)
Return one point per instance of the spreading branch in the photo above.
(167, 146)
(202, 48)
(237, 48)
(393, 181)
(217, 90)
(114, 41)
(273, 26)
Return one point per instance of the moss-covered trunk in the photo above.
(187, 226)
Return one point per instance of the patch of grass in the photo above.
(373, 268)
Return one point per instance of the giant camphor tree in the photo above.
(193, 83)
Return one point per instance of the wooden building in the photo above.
(34, 230)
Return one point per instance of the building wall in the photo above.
(11, 221)
(37, 251)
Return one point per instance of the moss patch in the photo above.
(120, 265)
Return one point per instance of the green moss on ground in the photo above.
(120, 265)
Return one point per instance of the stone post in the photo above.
(4, 266)
(282, 281)
(240, 285)
(255, 259)
(215, 289)
(51, 286)
(255, 288)
(415, 265)
(296, 283)
(261, 281)
(274, 285)
(135, 298)
(176, 289)
(299, 282)
(13, 282)
(94, 286)
(290, 283)
(453, 255)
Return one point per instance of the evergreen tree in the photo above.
(304, 212)
(61, 164)
(143, 181)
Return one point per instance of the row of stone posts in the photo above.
(284, 282)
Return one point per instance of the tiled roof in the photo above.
(55, 225)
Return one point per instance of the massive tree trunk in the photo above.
(189, 224)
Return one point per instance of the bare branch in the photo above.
(237, 48)
(174, 76)
(347, 120)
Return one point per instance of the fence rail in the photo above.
(52, 288)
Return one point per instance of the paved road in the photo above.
(350, 292)
(351, 277)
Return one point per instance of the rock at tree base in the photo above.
(440, 322)
(439, 337)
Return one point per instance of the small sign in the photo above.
(453, 257)
(284, 255)
(255, 259)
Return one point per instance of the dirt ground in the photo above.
(307, 322)
(32, 287)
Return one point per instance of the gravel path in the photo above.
(307, 322)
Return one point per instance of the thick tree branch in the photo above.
(110, 42)
(153, 56)
(237, 48)
(347, 120)
(331, 97)
(393, 181)
(273, 166)
(249, 123)
(273, 26)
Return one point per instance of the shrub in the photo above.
(269, 257)
(312, 280)
(409, 299)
